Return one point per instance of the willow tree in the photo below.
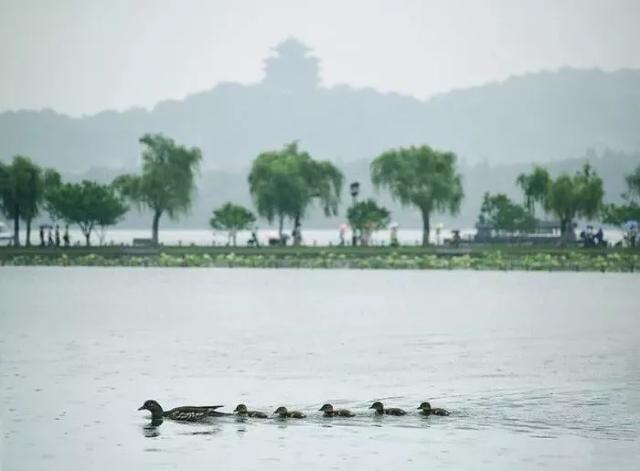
(167, 182)
(571, 197)
(422, 177)
(535, 187)
(285, 182)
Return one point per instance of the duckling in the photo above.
(380, 410)
(242, 411)
(329, 411)
(184, 413)
(283, 413)
(425, 409)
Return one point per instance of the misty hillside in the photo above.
(536, 117)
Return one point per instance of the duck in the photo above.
(184, 413)
(425, 409)
(242, 411)
(283, 413)
(380, 410)
(329, 411)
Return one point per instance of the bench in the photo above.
(142, 242)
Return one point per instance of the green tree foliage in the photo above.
(633, 186)
(366, 217)
(232, 218)
(618, 215)
(421, 177)
(88, 204)
(630, 210)
(503, 215)
(167, 182)
(535, 187)
(285, 182)
(22, 188)
(8, 200)
(570, 197)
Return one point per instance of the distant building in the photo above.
(292, 68)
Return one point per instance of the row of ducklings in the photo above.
(329, 411)
(195, 413)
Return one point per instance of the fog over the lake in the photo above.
(80, 57)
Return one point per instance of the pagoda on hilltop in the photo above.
(292, 68)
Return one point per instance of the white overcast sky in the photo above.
(84, 56)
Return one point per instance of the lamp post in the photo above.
(354, 188)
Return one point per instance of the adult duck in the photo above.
(283, 413)
(242, 411)
(329, 411)
(380, 409)
(184, 413)
(425, 409)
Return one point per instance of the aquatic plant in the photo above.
(489, 260)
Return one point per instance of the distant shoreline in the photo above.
(500, 257)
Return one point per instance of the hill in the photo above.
(546, 116)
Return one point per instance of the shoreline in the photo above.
(506, 258)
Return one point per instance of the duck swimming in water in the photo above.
(329, 411)
(283, 413)
(380, 410)
(184, 413)
(242, 411)
(425, 409)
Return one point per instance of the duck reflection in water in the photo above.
(152, 429)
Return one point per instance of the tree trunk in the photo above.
(426, 227)
(297, 239)
(28, 241)
(530, 205)
(87, 236)
(566, 230)
(154, 227)
(16, 226)
(280, 227)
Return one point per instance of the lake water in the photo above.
(540, 370)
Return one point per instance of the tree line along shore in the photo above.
(284, 183)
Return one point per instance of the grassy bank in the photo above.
(476, 258)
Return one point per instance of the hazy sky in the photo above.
(83, 56)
